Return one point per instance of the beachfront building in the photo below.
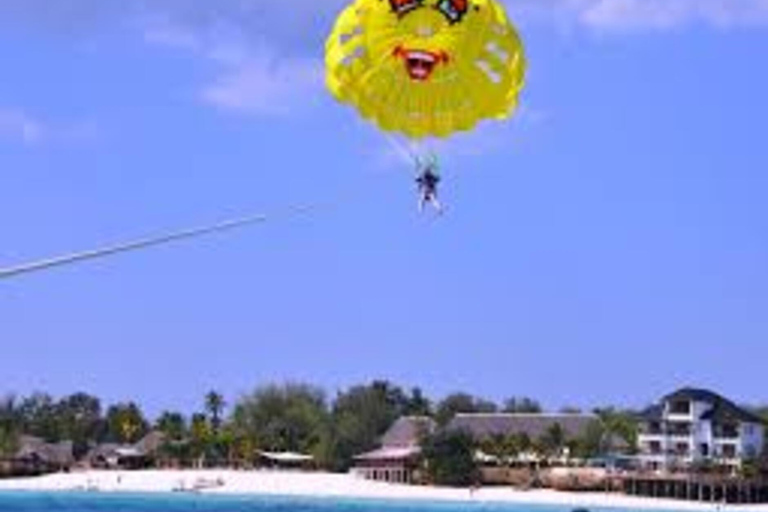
(35, 456)
(140, 455)
(693, 426)
(398, 458)
(533, 426)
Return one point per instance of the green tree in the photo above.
(126, 423)
(201, 437)
(214, 405)
(173, 425)
(494, 445)
(449, 458)
(39, 417)
(226, 442)
(619, 425)
(10, 427)
(360, 416)
(79, 420)
(521, 405)
(282, 418)
(552, 441)
(456, 403)
(417, 404)
(593, 442)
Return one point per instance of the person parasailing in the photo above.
(426, 68)
(427, 181)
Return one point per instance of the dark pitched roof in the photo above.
(728, 412)
(407, 431)
(652, 413)
(723, 410)
(695, 394)
(58, 454)
(533, 425)
(103, 450)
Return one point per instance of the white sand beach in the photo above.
(282, 483)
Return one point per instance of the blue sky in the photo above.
(606, 245)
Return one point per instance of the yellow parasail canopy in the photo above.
(426, 67)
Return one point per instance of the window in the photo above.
(653, 428)
(680, 407)
(704, 450)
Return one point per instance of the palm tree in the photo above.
(200, 434)
(128, 429)
(552, 441)
(214, 405)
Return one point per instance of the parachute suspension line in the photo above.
(415, 153)
(405, 152)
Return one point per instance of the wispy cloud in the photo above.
(254, 76)
(17, 126)
(267, 57)
(264, 84)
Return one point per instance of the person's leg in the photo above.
(432, 198)
(437, 204)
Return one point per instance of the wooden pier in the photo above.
(702, 488)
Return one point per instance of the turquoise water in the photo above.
(90, 502)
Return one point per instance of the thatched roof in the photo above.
(54, 454)
(150, 443)
(145, 447)
(408, 431)
(534, 425)
(104, 451)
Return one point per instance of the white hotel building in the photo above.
(696, 425)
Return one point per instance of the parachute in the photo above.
(426, 68)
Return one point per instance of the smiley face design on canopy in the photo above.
(426, 67)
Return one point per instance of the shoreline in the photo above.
(289, 484)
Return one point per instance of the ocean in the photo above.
(103, 502)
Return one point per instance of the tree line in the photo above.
(286, 417)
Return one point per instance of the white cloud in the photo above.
(18, 126)
(266, 85)
(254, 76)
(267, 55)
(174, 37)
